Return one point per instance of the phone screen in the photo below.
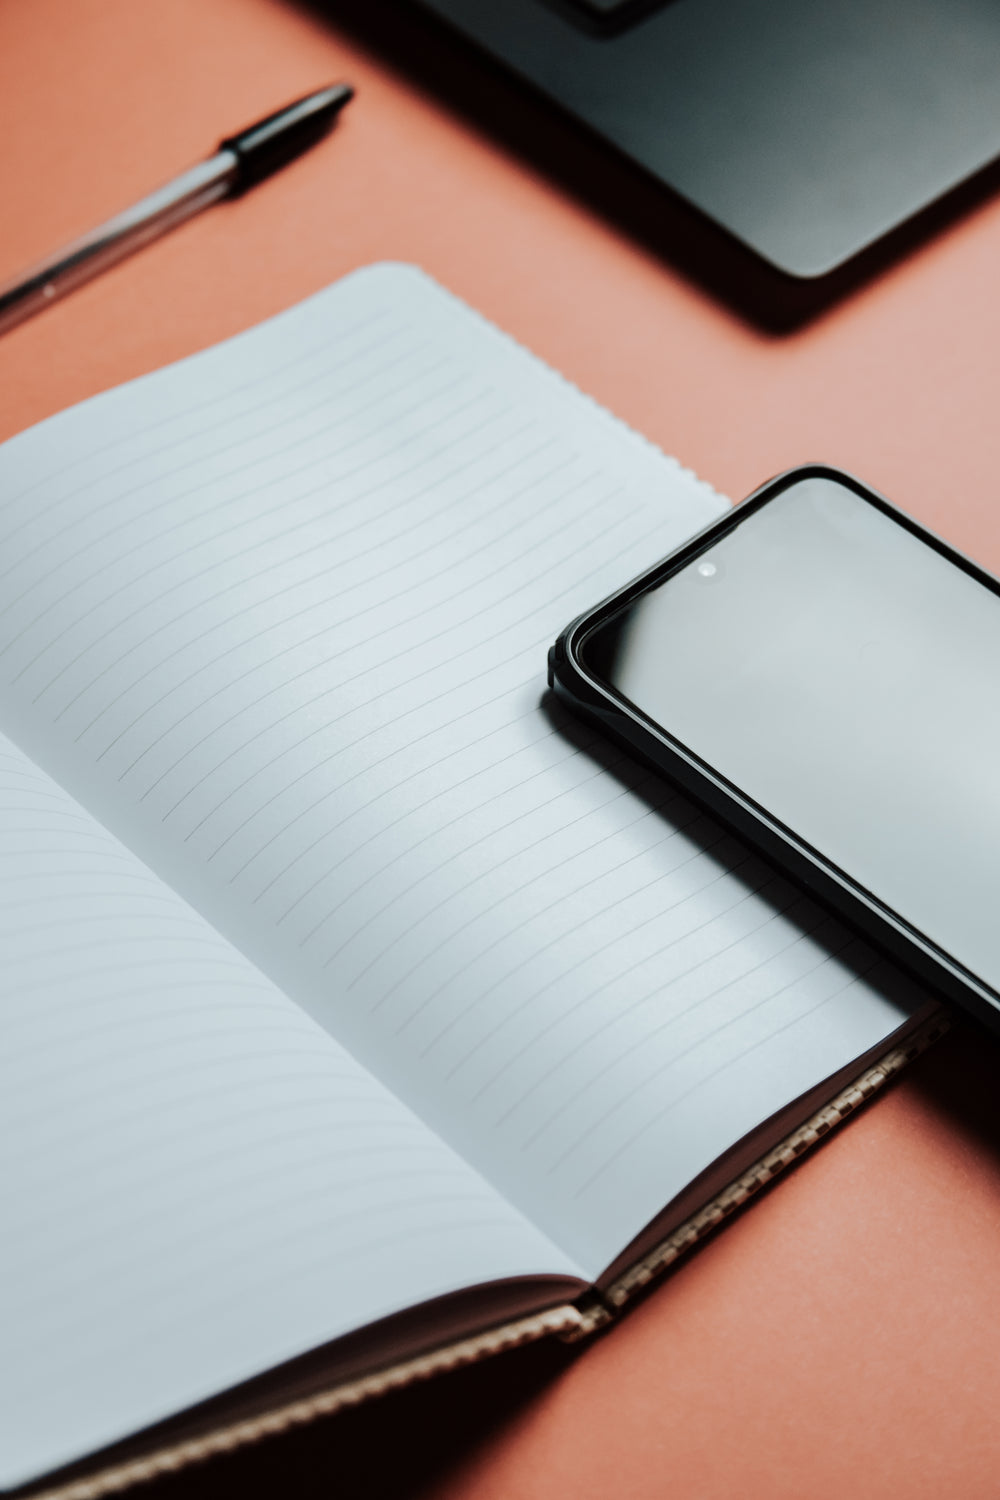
(845, 676)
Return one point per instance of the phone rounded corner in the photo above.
(567, 677)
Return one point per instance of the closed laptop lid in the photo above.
(807, 130)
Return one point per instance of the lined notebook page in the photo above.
(280, 615)
(198, 1182)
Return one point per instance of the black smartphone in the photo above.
(823, 674)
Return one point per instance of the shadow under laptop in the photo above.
(577, 161)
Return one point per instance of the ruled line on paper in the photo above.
(658, 1115)
(488, 1037)
(410, 813)
(349, 765)
(609, 1023)
(509, 932)
(162, 561)
(371, 636)
(266, 378)
(676, 1016)
(545, 803)
(179, 1141)
(98, 542)
(284, 828)
(309, 704)
(186, 581)
(333, 829)
(52, 541)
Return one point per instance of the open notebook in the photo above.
(361, 1015)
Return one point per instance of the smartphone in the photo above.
(823, 674)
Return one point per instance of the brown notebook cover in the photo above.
(571, 1322)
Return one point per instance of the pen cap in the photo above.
(262, 148)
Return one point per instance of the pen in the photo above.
(239, 162)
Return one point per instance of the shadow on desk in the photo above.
(959, 1080)
(432, 1438)
(575, 160)
(392, 1449)
(425, 1439)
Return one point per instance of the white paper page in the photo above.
(281, 614)
(198, 1182)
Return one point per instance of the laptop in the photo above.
(808, 130)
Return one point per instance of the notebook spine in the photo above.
(116, 1478)
(569, 1323)
(768, 1167)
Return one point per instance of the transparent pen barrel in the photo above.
(118, 237)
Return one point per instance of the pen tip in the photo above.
(331, 100)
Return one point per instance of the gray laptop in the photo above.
(807, 129)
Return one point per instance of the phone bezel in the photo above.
(781, 845)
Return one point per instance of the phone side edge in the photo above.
(790, 856)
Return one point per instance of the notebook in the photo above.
(363, 1015)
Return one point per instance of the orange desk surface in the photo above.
(842, 1338)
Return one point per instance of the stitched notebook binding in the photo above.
(785, 1154)
(225, 1439)
(569, 1323)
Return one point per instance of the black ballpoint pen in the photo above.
(240, 161)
